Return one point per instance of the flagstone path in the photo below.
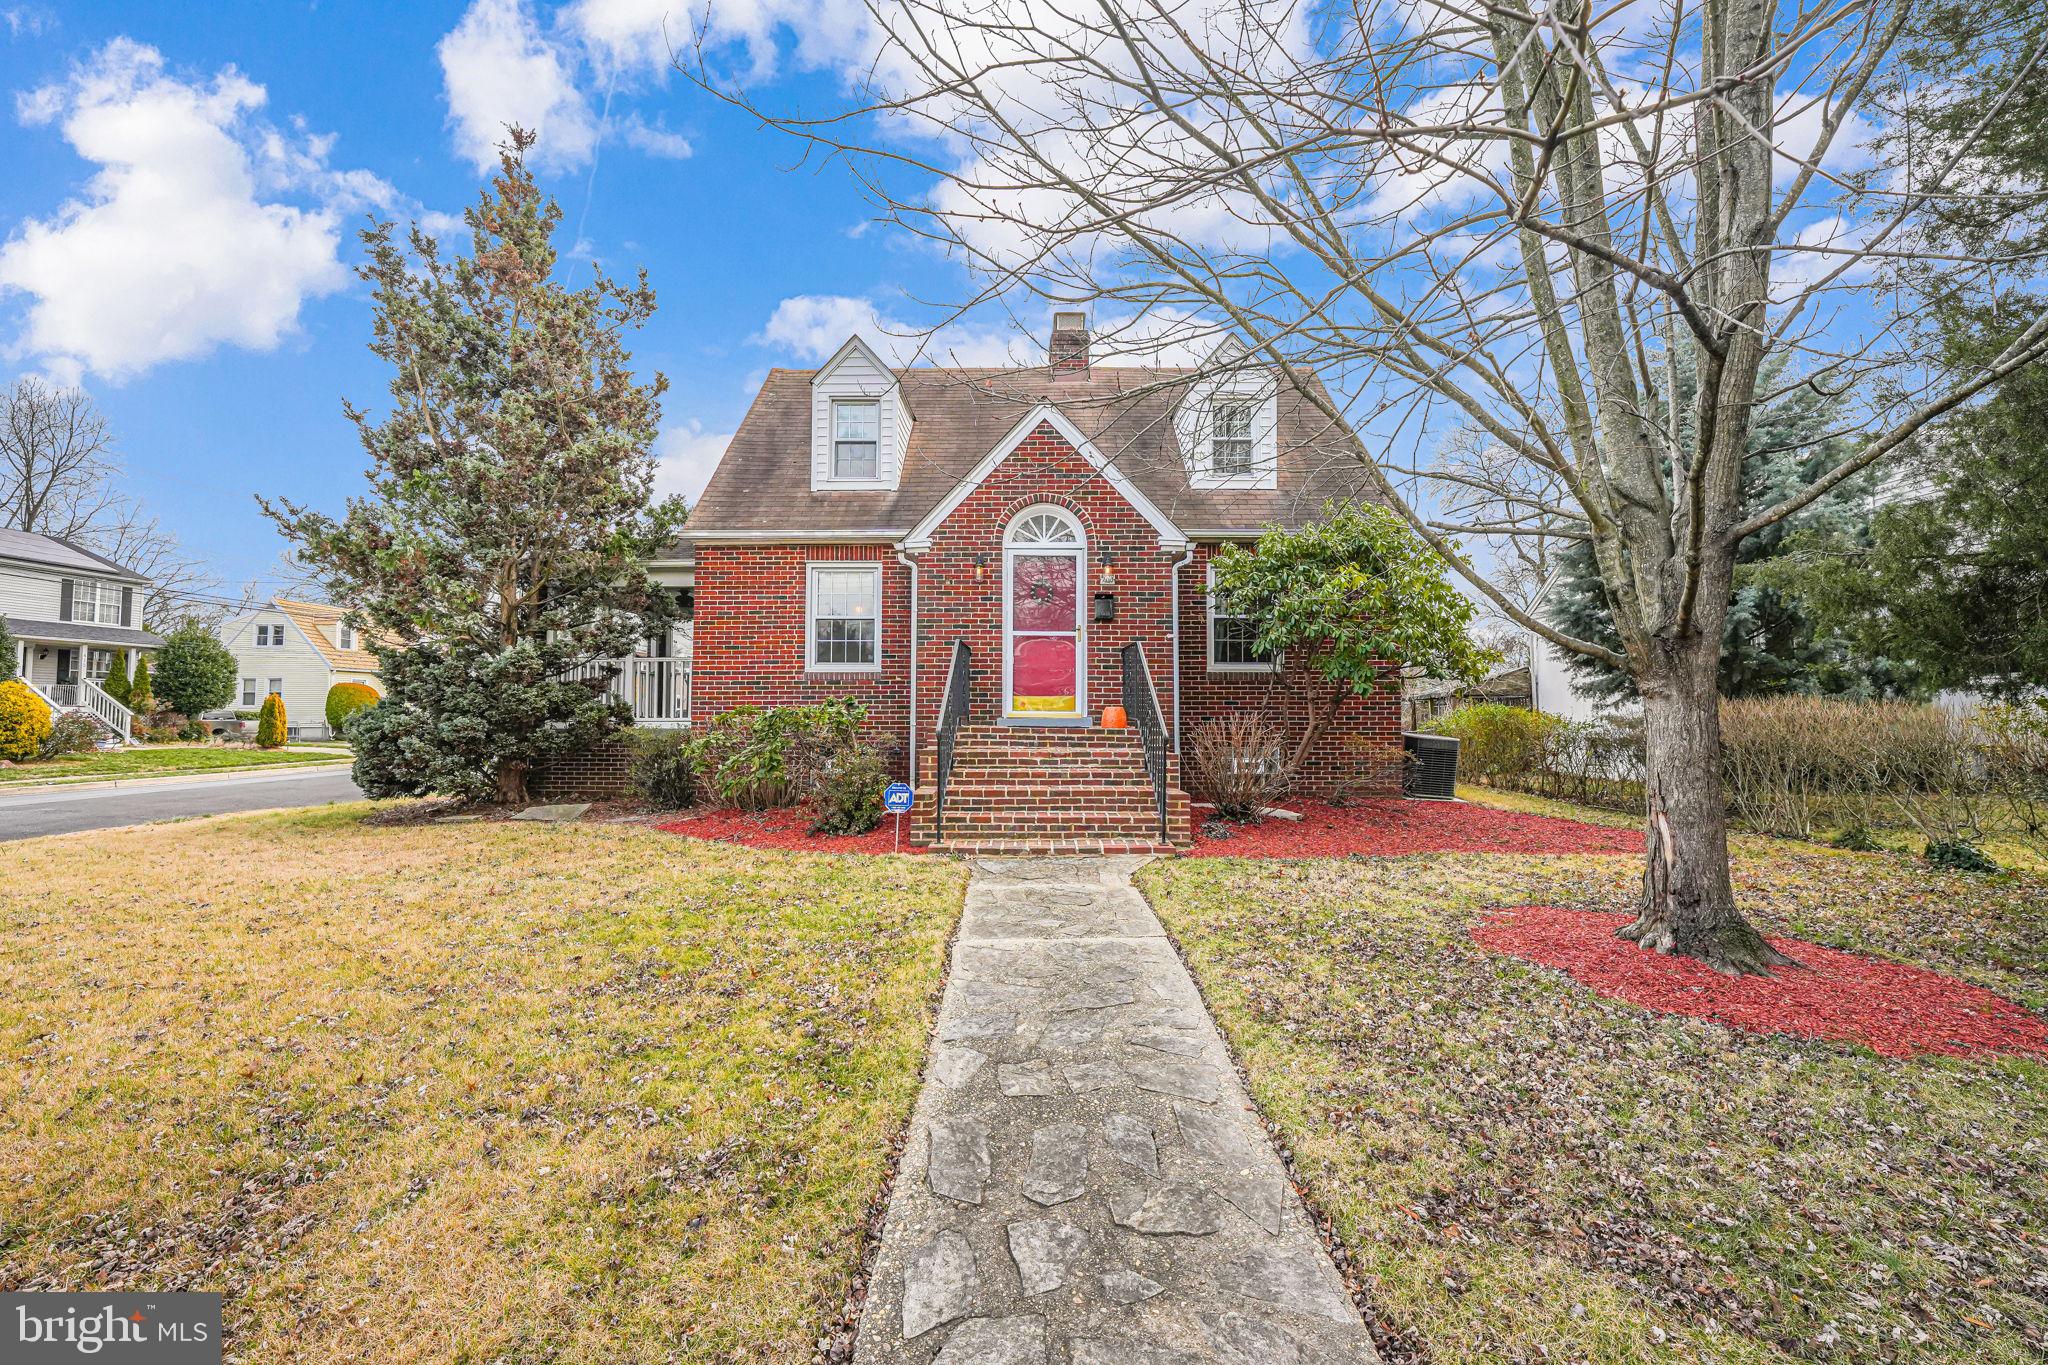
(1084, 1183)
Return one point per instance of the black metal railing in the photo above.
(1141, 704)
(952, 714)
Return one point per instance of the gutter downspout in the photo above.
(1174, 574)
(916, 646)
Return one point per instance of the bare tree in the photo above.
(1520, 220)
(59, 476)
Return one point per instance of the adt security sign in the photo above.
(896, 800)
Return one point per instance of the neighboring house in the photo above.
(69, 610)
(1049, 526)
(1552, 687)
(298, 650)
(1427, 699)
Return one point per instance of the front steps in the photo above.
(1046, 790)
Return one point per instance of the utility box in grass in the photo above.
(1431, 770)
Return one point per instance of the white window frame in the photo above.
(345, 635)
(811, 572)
(249, 697)
(1218, 666)
(276, 687)
(1077, 548)
(1249, 439)
(874, 405)
(98, 664)
(105, 600)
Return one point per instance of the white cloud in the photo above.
(654, 139)
(498, 68)
(175, 246)
(687, 455)
(27, 21)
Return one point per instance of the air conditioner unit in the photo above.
(1431, 770)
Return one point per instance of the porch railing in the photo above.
(952, 714)
(87, 695)
(1141, 704)
(657, 689)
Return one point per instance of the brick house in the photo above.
(987, 558)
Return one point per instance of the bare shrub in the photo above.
(2013, 737)
(1242, 761)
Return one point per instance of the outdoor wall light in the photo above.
(1108, 574)
(980, 567)
(1105, 606)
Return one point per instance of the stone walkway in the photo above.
(1084, 1183)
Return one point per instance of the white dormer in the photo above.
(1229, 420)
(860, 425)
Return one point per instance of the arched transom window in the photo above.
(1044, 527)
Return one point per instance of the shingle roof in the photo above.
(764, 481)
(81, 633)
(310, 617)
(32, 547)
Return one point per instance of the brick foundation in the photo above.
(594, 774)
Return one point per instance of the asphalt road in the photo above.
(27, 814)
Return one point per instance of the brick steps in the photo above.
(1024, 790)
(1040, 848)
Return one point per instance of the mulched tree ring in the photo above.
(1385, 827)
(1893, 1009)
(788, 828)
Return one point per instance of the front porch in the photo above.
(658, 689)
(65, 662)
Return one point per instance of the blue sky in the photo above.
(208, 306)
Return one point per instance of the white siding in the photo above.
(856, 372)
(304, 669)
(1194, 419)
(1550, 685)
(30, 592)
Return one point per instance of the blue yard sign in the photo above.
(896, 797)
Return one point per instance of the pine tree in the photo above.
(506, 531)
(270, 723)
(140, 698)
(1773, 641)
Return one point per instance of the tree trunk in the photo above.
(512, 784)
(1688, 905)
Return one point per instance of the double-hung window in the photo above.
(99, 663)
(347, 636)
(1232, 639)
(267, 636)
(248, 692)
(1230, 446)
(856, 439)
(95, 602)
(845, 616)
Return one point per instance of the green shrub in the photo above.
(1958, 855)
(141, 699)
(163, 734)
(270, 723)
(115, 684)
(1497, 744)
(848, 793)
(663, 767)
(194, 671)
(71, 733)
(7, 651)
(1857, 839)
(195, 730)
(757, 757)
(24, 722)
(344, 700)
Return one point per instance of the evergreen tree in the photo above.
(8, 648)
(1773, 640)
(140, 697)
(508, 523)
(115, 684)
(194, 671)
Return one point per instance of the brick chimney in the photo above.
(1068, 354)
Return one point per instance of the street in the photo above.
(28, 814)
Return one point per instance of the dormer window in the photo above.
(347, 636)
(856, 438)
(1230, 446)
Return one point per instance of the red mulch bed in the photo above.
(788, 828)
(1893, 1009)
(1387, 827)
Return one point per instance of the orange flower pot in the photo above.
(1113, 718)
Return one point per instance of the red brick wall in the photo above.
(1359, 754)
(961, 599)
(596, 772)
(750, 636)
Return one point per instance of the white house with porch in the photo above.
(69, 610)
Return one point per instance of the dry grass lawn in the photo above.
(505, 1093)
(1529, 1172)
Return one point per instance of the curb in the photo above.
(8, 789)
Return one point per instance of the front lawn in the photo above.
(1526, 1170)
(485, 1092)
(162, 760)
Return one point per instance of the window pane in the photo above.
(844, 592)
(845, 606)
(846, 642)
(1231, 450)
(277, 684)
(1233, 637)
(855, 460)
(856, 421)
